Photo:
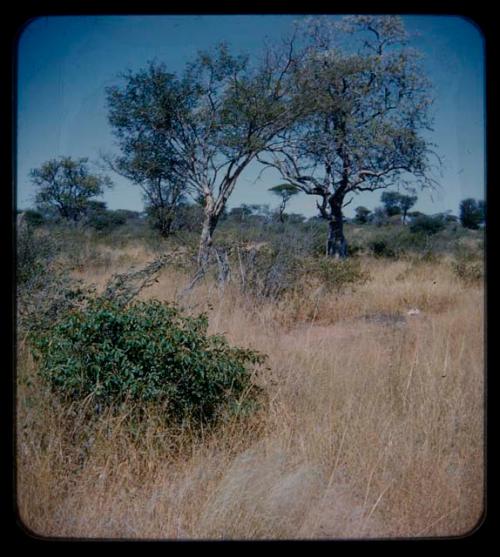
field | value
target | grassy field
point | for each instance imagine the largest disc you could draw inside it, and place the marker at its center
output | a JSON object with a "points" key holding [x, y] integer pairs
{"points": [[372, 425]]}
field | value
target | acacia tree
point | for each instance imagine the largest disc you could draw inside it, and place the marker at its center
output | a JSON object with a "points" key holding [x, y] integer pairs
{"points": [[396, 203], [406, 202], [211, 121], [67, 186], [285, 192], [368, 105], [390, 200], [362, 214]]}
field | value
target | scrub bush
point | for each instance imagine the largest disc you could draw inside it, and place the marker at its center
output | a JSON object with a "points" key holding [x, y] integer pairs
{"points": [[144, 352]]}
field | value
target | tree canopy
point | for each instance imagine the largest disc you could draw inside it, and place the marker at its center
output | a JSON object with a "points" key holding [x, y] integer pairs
{"points": [[206, 125], [396, 203], [367, 108], [285, 192], [67, 186], [472, 213]]}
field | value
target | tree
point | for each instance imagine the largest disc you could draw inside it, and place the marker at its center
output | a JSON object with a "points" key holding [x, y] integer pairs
{"points": [[67, 186], [285, 192], [390, 200], [138, 114], [379, 216], [211, 121], [397, 203], [362, 215], [406, 203], [472, 213], [240, 213], [368, 105]]}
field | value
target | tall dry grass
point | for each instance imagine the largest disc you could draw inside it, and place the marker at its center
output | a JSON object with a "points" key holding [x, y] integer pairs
{"points": [[373, 425]]}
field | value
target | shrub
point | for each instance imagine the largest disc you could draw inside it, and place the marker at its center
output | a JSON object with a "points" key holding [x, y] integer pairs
{"points": [[33, 218], [144, 352], [381, 248], [33, 250], [44, 289], [354, 248], [468, 270], [106, 220], [268, 272], [427, 225], [336, 275]]}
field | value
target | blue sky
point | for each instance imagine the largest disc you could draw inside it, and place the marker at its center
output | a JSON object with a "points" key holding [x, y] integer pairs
{"points": [[65, 63]]}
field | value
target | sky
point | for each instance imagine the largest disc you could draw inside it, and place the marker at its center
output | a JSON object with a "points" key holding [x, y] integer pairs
{"points": [[65, 63]]}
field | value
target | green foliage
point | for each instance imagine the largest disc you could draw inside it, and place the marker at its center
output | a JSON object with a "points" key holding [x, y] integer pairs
{"points": [[33, 218], [362, 214], [102, 219], [198, 129], [472, 213], [366, 105], [144, 352], [427, 225], [67, 186], [336, 275], [381, 248], [285, 192], [397, 203], [390, 199], [396, 241]]}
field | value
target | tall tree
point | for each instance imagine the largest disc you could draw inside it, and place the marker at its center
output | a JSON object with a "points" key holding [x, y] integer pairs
{"points": [[368, 104], [285, 192], [139, 117], [212, 121], [67, 186]]}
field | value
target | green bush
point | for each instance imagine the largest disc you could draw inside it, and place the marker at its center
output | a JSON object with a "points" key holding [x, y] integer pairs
{"points": [[144, 352], [336, 275], [427, 225], [106, 220], [381, 248], [33, 218]]}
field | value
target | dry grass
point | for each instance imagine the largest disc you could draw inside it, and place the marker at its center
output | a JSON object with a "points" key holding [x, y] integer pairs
{"points": [[373, 428]]}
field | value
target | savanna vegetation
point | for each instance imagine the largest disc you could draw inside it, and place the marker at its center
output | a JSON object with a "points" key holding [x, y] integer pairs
{"points": [[195, 372]]}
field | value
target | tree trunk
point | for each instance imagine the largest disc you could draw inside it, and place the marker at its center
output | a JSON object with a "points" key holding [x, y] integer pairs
{"points": [[165, 225], [282, 210], [337, 244], [206, 239]]}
